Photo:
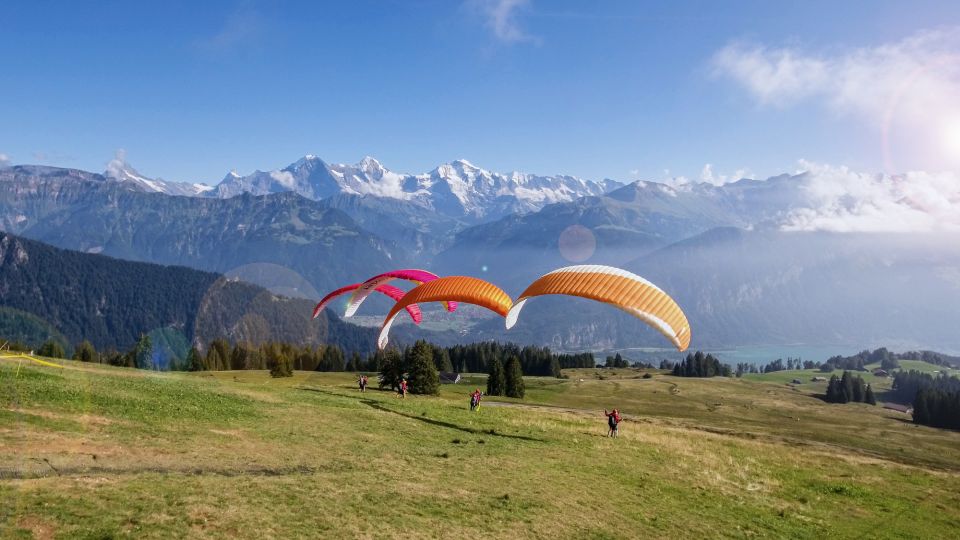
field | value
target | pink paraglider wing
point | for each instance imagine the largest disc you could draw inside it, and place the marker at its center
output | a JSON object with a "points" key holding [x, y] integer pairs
{"points": [[393, 292], [368, 286]]}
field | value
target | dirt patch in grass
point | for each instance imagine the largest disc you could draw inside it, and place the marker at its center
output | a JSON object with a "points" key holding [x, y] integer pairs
{"points": [[40, 528]]}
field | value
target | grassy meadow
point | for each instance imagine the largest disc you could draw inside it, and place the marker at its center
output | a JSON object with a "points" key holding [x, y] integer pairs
{"points": [[98, 452]]}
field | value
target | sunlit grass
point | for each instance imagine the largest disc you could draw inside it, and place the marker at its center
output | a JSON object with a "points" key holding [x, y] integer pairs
{"points": [[90, 451]]}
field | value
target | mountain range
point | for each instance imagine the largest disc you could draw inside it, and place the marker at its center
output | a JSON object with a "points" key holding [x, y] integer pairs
{"points": [[730, 254]]}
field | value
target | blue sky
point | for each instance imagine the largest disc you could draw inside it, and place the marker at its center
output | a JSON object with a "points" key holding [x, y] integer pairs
{"points": [[622, 90]]}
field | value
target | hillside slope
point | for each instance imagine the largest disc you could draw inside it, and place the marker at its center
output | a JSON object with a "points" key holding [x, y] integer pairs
{"points": [[112, 302]]}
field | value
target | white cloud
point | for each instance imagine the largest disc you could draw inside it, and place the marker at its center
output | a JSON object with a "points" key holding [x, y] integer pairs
{"points": [[907, 88], [919, 72], [709, 177], [284, 178], [501, 18], [116, 165], [4, 160], [842, 200]]}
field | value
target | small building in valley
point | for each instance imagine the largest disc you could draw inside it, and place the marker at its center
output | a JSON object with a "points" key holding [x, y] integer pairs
{"points": [[449, 377], [905, 409]]}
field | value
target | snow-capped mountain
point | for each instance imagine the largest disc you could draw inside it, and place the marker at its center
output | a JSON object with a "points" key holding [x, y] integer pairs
{"points": [[120, 171], [458, 190]]}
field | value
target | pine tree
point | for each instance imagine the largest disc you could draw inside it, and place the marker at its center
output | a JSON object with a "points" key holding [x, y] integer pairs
{"points": [[238, 357], [921, 414], [194, 361], [441, 358], [214, 360], [85, 352], [869, 397], [278, 362], [859, 390], [391, 368], [143, 353], [496, 383], [513, 379], [423, 376], [355, 362], [222, 346], [846, 387], [51, 349], [833, 390]]}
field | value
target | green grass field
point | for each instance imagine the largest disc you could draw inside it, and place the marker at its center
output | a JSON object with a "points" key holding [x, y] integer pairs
{"points": [[97, 452]]}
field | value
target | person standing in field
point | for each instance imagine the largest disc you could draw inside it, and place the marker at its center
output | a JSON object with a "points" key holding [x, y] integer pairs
{"points": [[613, 422], [475, 399], [363, 383], [403, 388]]}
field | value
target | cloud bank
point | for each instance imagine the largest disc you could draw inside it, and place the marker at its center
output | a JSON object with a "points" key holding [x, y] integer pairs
{"points": [[920, 75], [908, 90], [842, 200], [4, 160]]}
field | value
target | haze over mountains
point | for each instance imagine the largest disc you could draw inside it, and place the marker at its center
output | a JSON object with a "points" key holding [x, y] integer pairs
{"points": [[823, 256]]}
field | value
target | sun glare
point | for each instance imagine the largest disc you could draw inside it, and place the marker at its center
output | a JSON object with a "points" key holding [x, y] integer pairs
{"points": [[950, 139]]}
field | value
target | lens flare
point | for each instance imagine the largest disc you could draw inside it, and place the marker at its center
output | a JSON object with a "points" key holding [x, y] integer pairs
{"points": [[577, 243]]}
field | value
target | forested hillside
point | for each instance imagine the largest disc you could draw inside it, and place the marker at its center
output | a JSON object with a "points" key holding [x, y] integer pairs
{"points": [[46, 291]]}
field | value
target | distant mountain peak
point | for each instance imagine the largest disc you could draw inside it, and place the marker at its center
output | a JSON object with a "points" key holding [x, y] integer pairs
{"points": [[370, 165], [456, 190], [119, 170]]}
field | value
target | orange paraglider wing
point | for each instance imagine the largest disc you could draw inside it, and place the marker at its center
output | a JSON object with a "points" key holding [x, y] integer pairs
{"points": [[619, 288], [465, 289]]}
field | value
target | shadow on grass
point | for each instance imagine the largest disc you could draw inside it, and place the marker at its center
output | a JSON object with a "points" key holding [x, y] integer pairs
{"points": [[380, 407], [448, 425]]}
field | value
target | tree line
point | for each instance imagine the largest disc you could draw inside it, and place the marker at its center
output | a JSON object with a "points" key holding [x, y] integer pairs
{"points": [[506, 380], [906, 385], [937, 408], [849, 388], [222, 355], [700, 364]]}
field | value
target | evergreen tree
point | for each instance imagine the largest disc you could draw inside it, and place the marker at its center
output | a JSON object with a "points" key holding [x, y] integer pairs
{"points": [[859, 390], [513, 378], [278, 362], [921, 413], [194, 360], [51, 349], [846, 387], [238, 357], [441, 358], [496, 380], [143, 353], [391, 368], [222, 346], [355, 362], [85, 352], [869, 397], [423, 376], [834, 394], [215, 361], [555, 369]]}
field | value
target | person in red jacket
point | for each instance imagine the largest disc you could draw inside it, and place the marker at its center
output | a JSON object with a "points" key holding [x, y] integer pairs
{"points": [[403, 388], [613, 422], [475, 397]]}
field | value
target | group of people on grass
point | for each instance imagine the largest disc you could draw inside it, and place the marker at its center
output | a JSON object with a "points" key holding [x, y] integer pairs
{"points": [[613, 417]]}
